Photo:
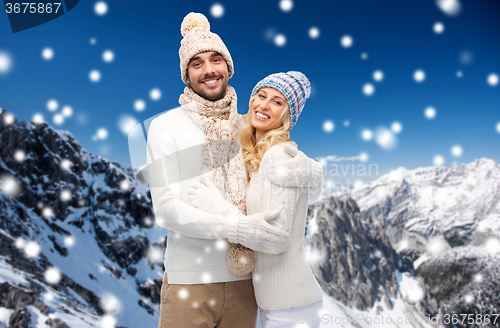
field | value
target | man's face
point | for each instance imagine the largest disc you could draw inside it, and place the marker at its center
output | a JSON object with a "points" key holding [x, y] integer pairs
{"points": [[208, 75]]}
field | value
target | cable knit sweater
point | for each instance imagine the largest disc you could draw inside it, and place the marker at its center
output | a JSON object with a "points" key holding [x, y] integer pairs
{"points": [[283, 279]]}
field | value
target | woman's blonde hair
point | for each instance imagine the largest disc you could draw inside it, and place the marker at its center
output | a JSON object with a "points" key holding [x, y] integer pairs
{"points": [[254, 151]]}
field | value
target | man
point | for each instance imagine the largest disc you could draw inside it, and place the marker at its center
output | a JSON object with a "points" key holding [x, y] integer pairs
{"points": [[199, 138]]}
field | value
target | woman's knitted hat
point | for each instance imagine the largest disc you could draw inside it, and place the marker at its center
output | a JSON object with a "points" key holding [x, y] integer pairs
{"points": [[293, 85], [195, 29]]}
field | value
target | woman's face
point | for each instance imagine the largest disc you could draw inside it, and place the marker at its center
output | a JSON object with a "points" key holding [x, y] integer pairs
{"points": [[266, 110]]}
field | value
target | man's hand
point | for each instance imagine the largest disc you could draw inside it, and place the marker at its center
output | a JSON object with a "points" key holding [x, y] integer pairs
{"points": [[206, 197]]}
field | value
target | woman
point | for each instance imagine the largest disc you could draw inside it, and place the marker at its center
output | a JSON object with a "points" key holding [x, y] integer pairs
{"points": [[285, 288]]}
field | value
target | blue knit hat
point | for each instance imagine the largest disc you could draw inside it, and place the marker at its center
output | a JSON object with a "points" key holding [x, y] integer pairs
{"points": [[293, 85]]}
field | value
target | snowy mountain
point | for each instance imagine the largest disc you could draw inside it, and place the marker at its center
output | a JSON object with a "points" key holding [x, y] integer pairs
{"points": [[459, 205], [446, 222], [78, 242], [79, 247], [361, 275]]}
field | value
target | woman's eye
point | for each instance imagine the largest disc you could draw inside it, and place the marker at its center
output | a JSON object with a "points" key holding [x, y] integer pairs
{"points": [[262, 96], [277, 102]]}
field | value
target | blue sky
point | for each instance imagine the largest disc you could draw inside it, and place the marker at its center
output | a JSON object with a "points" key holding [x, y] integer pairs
{"points": [[397, 37]]}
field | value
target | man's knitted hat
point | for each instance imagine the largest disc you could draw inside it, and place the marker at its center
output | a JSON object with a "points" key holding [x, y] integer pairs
{"points": [[195, 29], [293, 85]]}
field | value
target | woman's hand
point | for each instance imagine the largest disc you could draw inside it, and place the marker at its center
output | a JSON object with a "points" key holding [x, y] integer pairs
{"points": [[207, 197]]}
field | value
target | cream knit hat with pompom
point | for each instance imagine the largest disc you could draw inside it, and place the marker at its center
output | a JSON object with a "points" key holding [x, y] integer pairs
{"points": [[195, 29]]}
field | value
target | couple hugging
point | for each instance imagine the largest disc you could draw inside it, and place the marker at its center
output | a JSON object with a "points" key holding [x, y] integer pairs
{"points": [[233, 192]]}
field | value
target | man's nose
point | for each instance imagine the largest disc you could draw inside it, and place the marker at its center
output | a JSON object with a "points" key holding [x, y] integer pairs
{"points": [[209, 68]]}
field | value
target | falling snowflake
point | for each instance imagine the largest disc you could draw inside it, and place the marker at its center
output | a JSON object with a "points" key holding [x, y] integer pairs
{"points": [[108, 321], [10, 186], [47, 53], [286, 5], [438, 160], [101, 8], [456, 150], [52, 276], [347, 123], [368, 89], [358, 184], [139, 105], [8, 119], [48, 296], [207, 249], [313, 32], [47, 212], [125, 185], [221, 245], [95, 75], [155, 94], [69, 241], [206, 277], [478, 277], [438, 28], [108, 56], [81, 203], [58, 119], [449, 7], [498, 127], [466, 57], [66, 164], [155, 255], [102, 133], [415, 294], [385, 138], [20, 156], [346, 41], [419, 75], [67, 111], [183, 293], [217, 10], [313, 256], [363, 157], [364, 56], [199, 260], [492, 79], [396, 127], [110, 303], [469, 298], [430, 113], [52, 105], [212, 302], [126, 123], [5, 63], [20, 243], [328, 126], [65, 195], [37, 118], [280, 40], [366, 135], [32, 249], [492, 245], [121, 202], [378, 75], [147, 221], [459, 74], [195, 305], [436, 246], [93, 41], [40, 205]]}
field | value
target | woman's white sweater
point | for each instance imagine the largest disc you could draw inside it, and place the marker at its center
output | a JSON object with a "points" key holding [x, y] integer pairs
{"points": [[283, 279]]}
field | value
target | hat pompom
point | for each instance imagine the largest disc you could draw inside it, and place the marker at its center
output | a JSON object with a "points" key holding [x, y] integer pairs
{"points": [[192, 21]]}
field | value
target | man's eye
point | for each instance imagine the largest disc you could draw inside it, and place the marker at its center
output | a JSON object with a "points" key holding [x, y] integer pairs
{"points": [[216, 60]]}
